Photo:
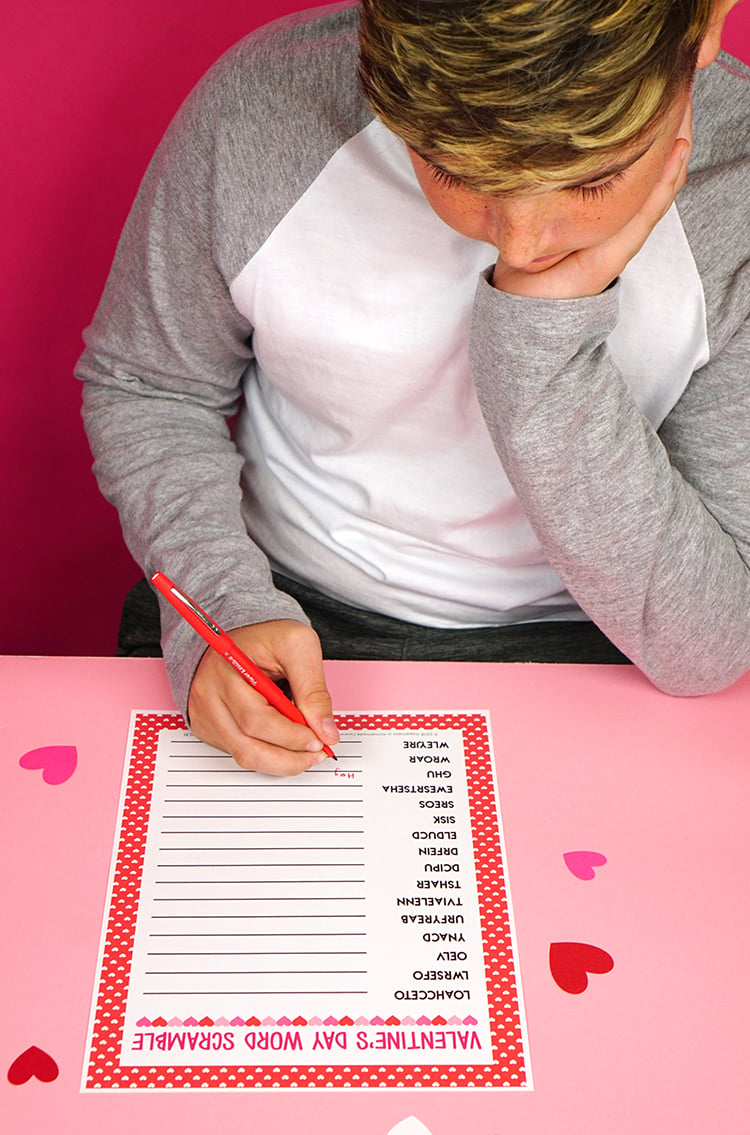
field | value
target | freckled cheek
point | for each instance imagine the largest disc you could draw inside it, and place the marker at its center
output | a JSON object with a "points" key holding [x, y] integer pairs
{"points": [[476, 223], [598, 222], [625, 205], [468, 220], [588, 226]]}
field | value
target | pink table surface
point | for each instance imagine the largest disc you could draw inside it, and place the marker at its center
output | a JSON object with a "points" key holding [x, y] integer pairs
{"points": [[588, 758]]}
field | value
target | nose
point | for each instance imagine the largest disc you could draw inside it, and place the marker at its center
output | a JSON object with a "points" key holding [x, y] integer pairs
{"points": [[520, 229]]}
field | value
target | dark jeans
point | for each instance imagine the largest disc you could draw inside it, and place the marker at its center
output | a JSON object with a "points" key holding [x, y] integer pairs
{"points": [[349, 632]]}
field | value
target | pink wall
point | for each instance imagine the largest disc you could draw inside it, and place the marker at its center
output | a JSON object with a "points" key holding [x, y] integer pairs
{"points": [[87, 90]]}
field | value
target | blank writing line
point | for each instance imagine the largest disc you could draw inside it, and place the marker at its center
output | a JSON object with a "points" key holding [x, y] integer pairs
{"points": [[258, 992], [254, 954], [274, 934], [211, 866], [223, 847], [269, 898], [259, 787], [270, 933], [233, 799], [246, 917], [252, 882], [244, 972]]}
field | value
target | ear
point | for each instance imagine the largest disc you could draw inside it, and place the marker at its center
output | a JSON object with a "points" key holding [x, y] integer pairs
{"points": [[711, 44]]}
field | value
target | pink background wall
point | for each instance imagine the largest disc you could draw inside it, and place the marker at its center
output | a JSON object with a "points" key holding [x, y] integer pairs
{"points": [[86, 90]]}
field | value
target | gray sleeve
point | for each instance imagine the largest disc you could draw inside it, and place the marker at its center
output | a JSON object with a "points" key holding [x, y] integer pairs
{"points": [[162, 369], [649, 532]]}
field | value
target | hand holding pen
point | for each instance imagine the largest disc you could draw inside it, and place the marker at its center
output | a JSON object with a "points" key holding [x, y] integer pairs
{"points": [[236, 707]]}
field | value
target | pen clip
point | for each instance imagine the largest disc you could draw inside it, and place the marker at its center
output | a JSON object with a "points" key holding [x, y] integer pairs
{"points": [[196, 610]]}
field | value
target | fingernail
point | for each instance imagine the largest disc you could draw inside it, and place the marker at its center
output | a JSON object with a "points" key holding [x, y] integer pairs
{"points": [[328, 728], [314, 746]]}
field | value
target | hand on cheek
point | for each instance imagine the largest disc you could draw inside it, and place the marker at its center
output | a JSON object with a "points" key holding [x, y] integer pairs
{"points": [[591, 269]]}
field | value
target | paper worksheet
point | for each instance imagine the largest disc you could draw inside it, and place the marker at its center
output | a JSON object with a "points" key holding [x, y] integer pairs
{"points": [[350, 927]]}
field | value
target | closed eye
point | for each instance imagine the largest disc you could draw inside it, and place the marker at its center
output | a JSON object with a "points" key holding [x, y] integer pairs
{"points": [[596, 190], [442, 177], [591, 191]]}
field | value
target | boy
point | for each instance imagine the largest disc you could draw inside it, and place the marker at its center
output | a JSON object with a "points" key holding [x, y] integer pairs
{"points": [[493, 378]]}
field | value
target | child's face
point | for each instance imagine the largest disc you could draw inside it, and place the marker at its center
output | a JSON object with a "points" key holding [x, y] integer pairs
{"points": [[532, 232]]}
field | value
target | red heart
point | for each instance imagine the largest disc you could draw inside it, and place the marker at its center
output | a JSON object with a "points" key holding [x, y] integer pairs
{"points": [[33, 1062], [571, 962]]}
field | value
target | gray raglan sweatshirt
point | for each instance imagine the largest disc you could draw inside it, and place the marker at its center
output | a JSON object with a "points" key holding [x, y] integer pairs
{"points": [[280, 254]]}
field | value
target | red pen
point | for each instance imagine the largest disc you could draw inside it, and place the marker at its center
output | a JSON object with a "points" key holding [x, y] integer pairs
{"points": [[220, 641]]}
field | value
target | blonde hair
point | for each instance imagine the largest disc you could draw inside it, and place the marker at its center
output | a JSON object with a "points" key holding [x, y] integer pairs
{"points": [[510, 94]]}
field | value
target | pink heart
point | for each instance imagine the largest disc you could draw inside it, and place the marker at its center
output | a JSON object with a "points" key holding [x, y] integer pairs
{"points": [[582, 863], [570, 964], [58, 762]]}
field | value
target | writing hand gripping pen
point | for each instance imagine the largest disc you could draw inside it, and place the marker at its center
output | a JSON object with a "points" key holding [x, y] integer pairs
{"points": [[221, 642]]}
